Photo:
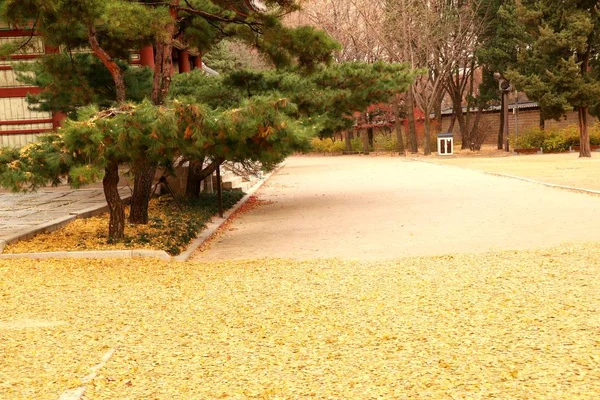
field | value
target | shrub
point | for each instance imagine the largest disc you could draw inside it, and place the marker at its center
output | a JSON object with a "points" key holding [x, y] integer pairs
{"points": [[529, 139], [327, 145], [386, 142], [356, 144], [550, 140]]}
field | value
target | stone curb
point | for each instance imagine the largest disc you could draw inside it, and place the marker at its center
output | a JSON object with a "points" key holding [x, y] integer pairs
{"points": [[210, 230], [97, 254], [50, 226], [520, 178], [55, 224], [214, 225]]}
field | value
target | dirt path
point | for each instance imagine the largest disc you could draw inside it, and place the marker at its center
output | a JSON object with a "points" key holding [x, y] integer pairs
{"points": [[376, 208]]}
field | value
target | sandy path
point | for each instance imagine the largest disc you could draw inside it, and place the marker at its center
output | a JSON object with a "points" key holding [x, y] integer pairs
{"points": [[374, 208]]}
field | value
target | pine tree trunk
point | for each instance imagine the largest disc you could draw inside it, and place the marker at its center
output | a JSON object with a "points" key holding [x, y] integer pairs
{"points": [[410, 114], [584, 137], [427, 136], [110, 182], [501, 125], [109, 63], [163, 64], [399, 138], [194, 179], [197, 174], [142, 188]]}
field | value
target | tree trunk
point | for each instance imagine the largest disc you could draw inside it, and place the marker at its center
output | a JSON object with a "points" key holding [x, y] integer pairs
{"points": [[452, 122], [365, 142], [583, 112], [477, 138], [196, 174], [501, 125], [164, 59], [584, 137], [437, 110], [348, 140], [460, 117], [427, 136], [142, 192], [399, 138], [542, 121], [110, 182], [193, 182], [505, 120], [371, 136], [410, 115], [109, 63]]}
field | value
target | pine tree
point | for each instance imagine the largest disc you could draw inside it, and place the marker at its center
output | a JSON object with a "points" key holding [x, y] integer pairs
{"points": [[556, 61], [110, 28]]}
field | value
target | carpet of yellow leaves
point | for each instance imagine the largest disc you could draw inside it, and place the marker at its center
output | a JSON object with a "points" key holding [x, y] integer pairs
{"points": [[509, 325], [89, 234]]}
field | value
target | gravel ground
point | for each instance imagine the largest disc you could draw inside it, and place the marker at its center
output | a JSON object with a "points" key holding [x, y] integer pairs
{"points": [[518, 325], [381, 208]]}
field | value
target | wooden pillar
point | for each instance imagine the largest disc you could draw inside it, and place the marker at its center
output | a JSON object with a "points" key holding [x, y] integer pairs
{"points": [[57, 119], [184, 61], [198, 61], [147, 56], [51, 49]]}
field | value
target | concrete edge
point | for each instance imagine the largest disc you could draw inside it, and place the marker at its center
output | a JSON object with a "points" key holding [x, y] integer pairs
{"points": [[50, 226], [552, 185], [94, 254], [213, 226], [520, 178], [55, 224]]}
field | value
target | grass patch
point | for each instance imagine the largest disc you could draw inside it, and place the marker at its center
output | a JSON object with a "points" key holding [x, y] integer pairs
{"points": [[169, 228]]}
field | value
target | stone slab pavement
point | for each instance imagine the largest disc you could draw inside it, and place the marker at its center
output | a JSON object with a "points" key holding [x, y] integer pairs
{"points": [[374, 208], [21, 214]]}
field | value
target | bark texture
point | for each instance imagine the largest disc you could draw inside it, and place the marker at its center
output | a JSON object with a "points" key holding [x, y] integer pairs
{"points": [[584, 136], [110, 182], [142, 192], [410, 115], [109, 63], [197, 174]]}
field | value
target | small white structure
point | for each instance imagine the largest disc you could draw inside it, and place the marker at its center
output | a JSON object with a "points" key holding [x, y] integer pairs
{"points": [[445, 144]]}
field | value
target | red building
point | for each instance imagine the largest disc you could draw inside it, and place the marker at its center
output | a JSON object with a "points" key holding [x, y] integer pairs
{"points": [[19, 124]]}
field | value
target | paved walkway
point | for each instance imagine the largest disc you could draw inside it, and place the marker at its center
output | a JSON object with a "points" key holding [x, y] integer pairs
{"points": [[382, 208], [22, 213]]}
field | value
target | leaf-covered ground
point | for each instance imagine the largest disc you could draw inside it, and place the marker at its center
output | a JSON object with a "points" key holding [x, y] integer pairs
{"points": [[170, 228], [510, 325]]}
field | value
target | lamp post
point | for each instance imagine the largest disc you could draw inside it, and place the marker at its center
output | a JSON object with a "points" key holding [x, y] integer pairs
{"points": [[505, 88]]}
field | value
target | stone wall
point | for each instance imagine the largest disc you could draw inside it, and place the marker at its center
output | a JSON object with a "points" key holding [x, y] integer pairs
{"points": [[528, 119]]}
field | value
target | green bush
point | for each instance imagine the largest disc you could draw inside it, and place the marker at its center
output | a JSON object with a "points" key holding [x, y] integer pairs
{"points": [[550, 140], [386, 142], [529, 139], [327, 146], [595, 135], [356, 144]]}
